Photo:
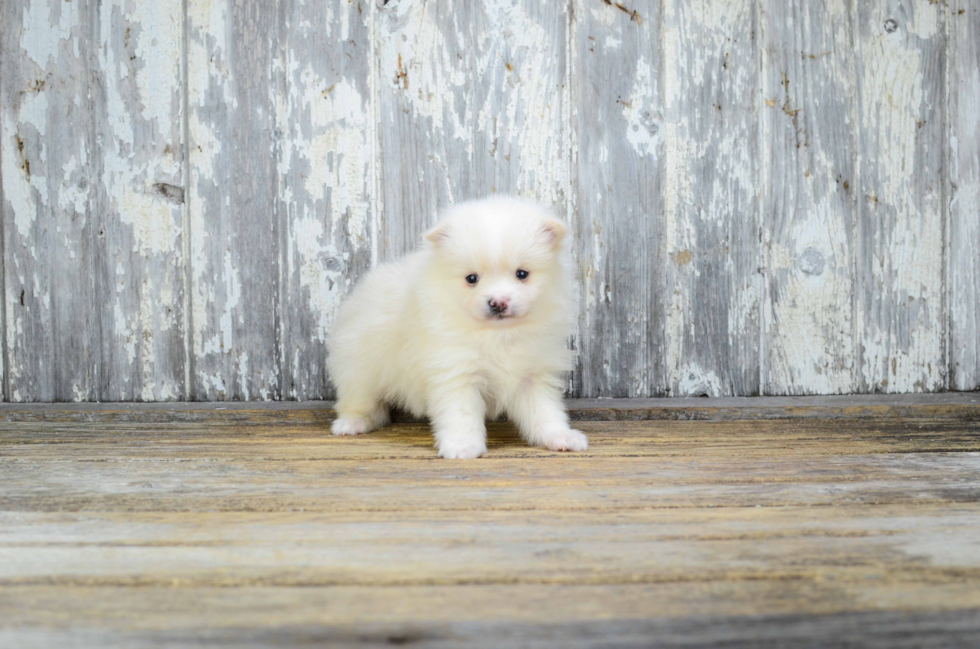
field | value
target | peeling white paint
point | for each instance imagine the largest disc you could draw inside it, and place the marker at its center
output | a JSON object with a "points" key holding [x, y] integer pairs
{"points": [[155, 226], [709, 193], [123, 331], [482, 97], [314, 278], [44, 33], [338, 153], [73, 195], [160, 29], [16, 185], [902, 335], [428, 67], [140, 59], [926, 18], [533, 101], [213, 384], [233, 294], [326, 163], [963, 265], [605, 16], [512, 118], [808, 109], [206, 48], [643, 127], [25, 190], [892, 84], [34, 112], [695, 382], [243, 374]]}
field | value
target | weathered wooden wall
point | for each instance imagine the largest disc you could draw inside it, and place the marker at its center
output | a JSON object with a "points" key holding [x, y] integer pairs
{"points": [[766, 197]]}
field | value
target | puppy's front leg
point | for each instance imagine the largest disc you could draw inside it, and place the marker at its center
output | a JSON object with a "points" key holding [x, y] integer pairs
{"points": [[538, 411], [458, 418]]}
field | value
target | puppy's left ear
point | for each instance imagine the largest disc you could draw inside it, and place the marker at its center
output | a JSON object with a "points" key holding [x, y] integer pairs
{"points": [[553, 231], [438, 234]]}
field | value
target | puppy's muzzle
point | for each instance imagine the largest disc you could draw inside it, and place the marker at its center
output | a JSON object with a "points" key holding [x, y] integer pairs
{"points": [[497, 306]]}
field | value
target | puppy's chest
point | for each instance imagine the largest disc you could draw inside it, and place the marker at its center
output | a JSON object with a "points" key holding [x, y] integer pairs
{"points": [[501, 364]]}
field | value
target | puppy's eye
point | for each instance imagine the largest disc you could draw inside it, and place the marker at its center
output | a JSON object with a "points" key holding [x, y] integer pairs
{"points": [[522, 274], [472, 279]]}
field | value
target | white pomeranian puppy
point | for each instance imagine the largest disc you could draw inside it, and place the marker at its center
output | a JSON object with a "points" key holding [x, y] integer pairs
{"points": [[473, 325]]}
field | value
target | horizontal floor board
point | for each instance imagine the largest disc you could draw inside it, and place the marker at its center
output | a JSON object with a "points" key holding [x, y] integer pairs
{"points": [[701, 526], [950, 404], [408, 440], [203, 550], [733, 614]]}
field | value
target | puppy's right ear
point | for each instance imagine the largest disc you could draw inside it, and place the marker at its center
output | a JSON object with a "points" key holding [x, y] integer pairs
{"points": [[438, 234], [553, 231]]}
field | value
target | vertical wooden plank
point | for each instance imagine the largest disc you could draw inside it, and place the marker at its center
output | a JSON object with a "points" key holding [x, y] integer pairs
{"points": [[4, 377], [324, 122], [809, 160], [964, 197], [899, 245], [711, 207], [618, 114], [141, 199], [234, 236], [92, 210], [52, 229], [471, 104]]}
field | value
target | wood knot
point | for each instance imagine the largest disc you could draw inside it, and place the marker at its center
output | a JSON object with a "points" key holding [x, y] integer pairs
{"points": [[172, 193]]}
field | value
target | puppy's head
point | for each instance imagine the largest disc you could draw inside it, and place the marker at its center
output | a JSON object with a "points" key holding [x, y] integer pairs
{"points": [[498, 261]]}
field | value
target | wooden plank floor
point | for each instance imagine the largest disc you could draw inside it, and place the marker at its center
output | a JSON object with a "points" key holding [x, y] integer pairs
{"points": [[757, 523]]}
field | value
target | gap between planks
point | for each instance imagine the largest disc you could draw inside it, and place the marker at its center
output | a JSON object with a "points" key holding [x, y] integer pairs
{"points": [[964, 405]]}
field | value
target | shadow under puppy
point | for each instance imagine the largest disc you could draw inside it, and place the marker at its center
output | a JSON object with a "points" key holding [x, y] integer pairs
{"points": [[473, 325]]}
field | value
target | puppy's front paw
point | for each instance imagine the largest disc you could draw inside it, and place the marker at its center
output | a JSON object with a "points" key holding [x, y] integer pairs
{"points": [[565, 439], [351, 426], [462, 449]]}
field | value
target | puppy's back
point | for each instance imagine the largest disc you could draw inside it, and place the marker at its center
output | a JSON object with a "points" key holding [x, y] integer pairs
{"points": [[371, 321]]}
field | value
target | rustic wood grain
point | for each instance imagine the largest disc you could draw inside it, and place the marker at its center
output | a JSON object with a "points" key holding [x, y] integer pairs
{"points": [[324, 157], [619, 163], [471, 100], [711, 209], [141, 197], [93, 203], [173, 619], [235, 239], [963, 264], [630, 466], [733, 533], [810, 135], [235, 550], [950, 406], [765, 197], [900, 52], [413, 441], [53, 227], [274, 485]]}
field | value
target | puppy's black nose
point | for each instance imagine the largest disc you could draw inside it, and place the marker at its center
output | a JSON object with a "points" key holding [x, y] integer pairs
{"points": [[497, 306]]}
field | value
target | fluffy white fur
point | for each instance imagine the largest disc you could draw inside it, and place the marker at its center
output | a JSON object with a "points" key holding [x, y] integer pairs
{"points": [[416, 334]]}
